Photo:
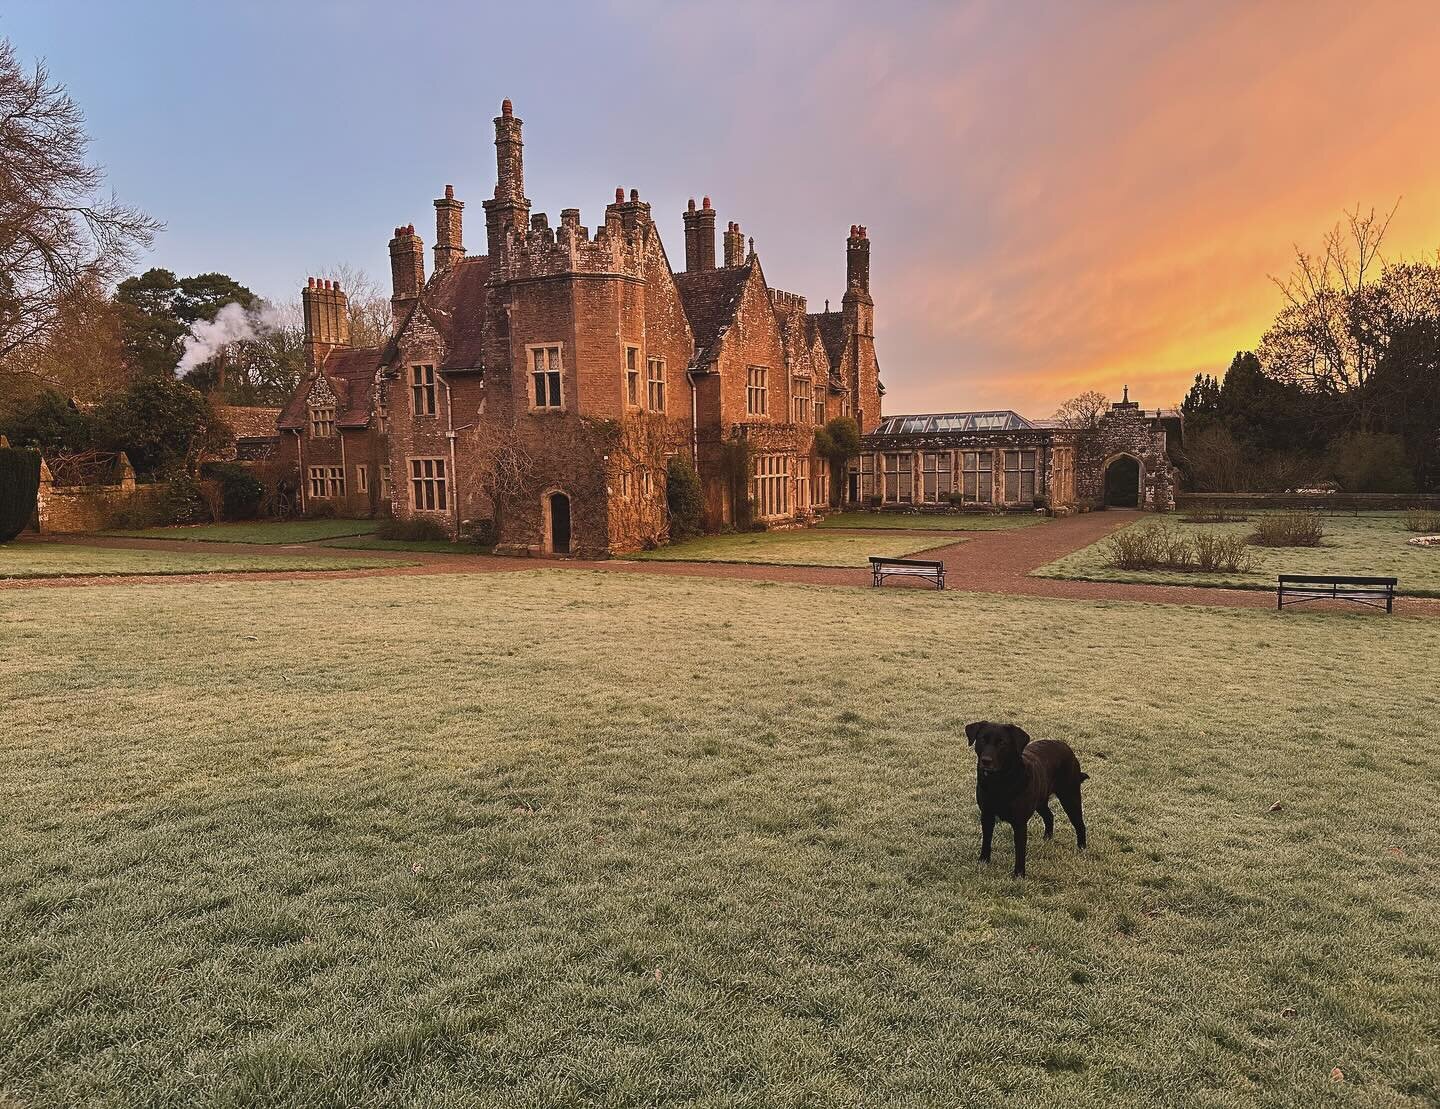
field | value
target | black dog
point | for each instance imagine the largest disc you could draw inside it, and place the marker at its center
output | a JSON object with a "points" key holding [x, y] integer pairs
{"points": [[1016, 777]]}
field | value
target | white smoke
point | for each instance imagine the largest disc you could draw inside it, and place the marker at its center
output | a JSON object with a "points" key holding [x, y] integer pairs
{"points": [[231, 324]]}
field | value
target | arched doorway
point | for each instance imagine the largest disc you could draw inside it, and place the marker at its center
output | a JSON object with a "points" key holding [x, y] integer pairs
{"points": [[1122, 482], [557, 523]]}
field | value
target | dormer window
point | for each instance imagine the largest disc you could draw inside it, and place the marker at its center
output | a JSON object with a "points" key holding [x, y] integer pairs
{"points": [[322, 421]]}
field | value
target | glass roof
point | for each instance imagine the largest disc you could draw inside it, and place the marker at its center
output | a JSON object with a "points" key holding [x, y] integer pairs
{"points": [[953, 421]]}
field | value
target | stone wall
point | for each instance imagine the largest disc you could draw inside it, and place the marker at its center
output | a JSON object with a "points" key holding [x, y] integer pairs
{"points": [[63, 509]]}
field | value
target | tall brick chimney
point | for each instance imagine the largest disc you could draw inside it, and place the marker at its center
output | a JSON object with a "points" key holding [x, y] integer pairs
{"points": [[449, 239], [510, 208], [700, 236], [407, 269], [857, 259], [734, 245], [327, 319]]}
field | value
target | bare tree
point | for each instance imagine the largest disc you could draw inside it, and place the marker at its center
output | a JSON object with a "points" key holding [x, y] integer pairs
{"points": [[501, 462], [1330, 335], [1083, 411], [56, 231]]}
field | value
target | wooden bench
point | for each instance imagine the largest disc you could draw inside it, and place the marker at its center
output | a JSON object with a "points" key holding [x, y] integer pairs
{"points": [[1314, 587], [908, 568]]}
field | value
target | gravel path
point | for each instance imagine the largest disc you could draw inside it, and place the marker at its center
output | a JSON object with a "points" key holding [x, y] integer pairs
{"points": [[986, 562]]}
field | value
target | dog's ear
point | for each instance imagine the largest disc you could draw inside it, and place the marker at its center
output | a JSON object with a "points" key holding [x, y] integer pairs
{"points": [[973, 730], [1018, 736]]}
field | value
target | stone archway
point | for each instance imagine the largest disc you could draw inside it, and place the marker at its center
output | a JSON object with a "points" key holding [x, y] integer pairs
{"points": [[1123, 481], [556, 517]]}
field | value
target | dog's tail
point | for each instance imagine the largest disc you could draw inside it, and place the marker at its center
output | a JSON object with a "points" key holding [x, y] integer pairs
{"points": [[1084, 776]]}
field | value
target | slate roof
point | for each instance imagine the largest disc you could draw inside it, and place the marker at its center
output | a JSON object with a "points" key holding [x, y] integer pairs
{"points": [[456, 303], [350, 372], [831, 328], [711, 299]]}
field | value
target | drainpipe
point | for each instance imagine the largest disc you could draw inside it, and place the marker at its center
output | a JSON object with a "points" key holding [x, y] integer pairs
{"points": [[694, 421], [450, 434], [344, 469], [300, 454]]}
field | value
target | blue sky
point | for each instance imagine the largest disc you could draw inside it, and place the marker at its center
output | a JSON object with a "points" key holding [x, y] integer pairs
{"points": [[1060, 195]]}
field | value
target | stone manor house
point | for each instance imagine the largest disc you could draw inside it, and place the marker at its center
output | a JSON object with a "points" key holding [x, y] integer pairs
{"points": [[544, 384]]}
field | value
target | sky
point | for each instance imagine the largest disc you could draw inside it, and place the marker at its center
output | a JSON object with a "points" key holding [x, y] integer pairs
{"points": [[1060, 196]]}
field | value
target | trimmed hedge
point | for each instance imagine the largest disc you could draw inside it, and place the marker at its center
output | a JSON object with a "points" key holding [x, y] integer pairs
{"points": [[241, 491], [19, 488]]}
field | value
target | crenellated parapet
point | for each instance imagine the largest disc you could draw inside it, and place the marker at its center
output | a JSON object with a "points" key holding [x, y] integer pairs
{"points": [[617, 247]]}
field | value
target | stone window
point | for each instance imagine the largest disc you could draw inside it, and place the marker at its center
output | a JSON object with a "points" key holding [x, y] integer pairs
{"points": [[335, 478], [820, 482], [867, 477], [936, 476], [755, 390], [632, 376], [427, 484], [772, 485], [362, 479], [385, 481], [802, 484], [655, 384], [1019, 476], [800, 387], [625, 483], [820, 411], [317, 481], [977, 479], [422, 390], [647, 482], [899, 479], [322, 421], [382, 414], [545, 377]]}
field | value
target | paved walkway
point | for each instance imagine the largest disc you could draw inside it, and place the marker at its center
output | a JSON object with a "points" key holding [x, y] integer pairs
{"points": [[985, 562]]}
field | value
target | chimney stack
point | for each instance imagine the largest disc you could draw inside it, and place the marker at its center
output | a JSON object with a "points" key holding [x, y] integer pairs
{"points": [[857, 259], [700, 236], [327, 319], [449, 238], [509, 210], [734, 245], [407, 269]]}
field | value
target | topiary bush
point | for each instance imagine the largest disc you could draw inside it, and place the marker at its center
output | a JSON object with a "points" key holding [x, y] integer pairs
{"points": [[420, 529], [19, 487]]}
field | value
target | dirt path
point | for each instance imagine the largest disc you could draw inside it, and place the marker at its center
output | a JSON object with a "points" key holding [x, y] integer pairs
{"points": [[985, 562]]}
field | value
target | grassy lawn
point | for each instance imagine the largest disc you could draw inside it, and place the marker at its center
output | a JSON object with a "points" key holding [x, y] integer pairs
{"points": [[257, 531], [56, 560], [802, 547], [1372, 544], [928, 521], [601, 842]]}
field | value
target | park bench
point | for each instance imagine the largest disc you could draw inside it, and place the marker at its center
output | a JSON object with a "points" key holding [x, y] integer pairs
{"points": [[908, 568], [1296, 588]]}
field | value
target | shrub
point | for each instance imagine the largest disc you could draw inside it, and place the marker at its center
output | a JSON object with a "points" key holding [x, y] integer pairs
{"points": [[317, 508], [419, 529], [1154, 547], [1222, 552], [1424, 520], [19, 486], [184, 502], [1214, 514], [683, 498], [241, 491], [1289, 529], [1166, 547]]}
